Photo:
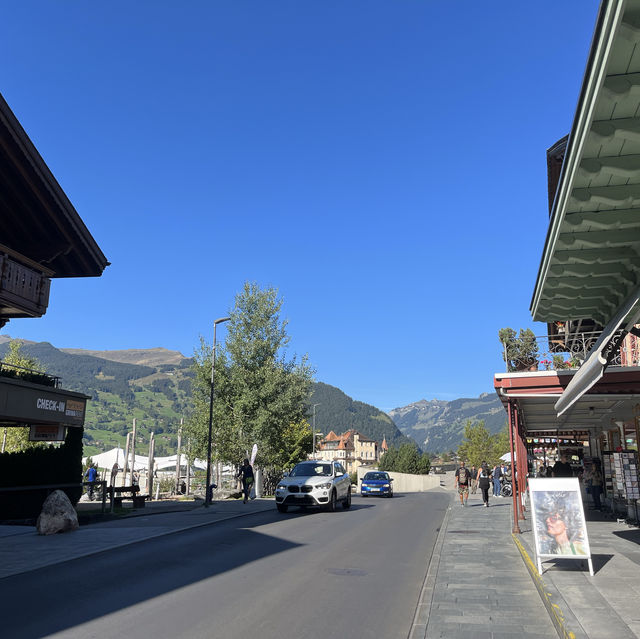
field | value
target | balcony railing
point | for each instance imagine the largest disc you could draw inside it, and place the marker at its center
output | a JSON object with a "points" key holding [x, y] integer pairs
{"points": [[24, 289], [557, 352], [28, 375]]}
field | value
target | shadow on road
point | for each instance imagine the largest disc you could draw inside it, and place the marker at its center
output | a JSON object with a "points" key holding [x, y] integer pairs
{"points": [[82, 590]]}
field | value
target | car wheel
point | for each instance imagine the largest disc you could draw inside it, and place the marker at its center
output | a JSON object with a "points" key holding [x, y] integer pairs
{"points": [[282, 508], [390, 494], [347, 502], [331, 506], [362, 495]]}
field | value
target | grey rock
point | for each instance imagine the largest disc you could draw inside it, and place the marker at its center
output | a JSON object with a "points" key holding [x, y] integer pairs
{"points": [[58, 515]]}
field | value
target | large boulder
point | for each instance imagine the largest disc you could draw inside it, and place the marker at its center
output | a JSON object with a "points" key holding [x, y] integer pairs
{"points": [[58, 515]]}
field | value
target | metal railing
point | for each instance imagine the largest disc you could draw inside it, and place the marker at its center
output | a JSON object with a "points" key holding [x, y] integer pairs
{"points": [[560, 352]]}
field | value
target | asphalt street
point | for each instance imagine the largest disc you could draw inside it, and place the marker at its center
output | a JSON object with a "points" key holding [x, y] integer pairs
{"points": [[355, 573]]}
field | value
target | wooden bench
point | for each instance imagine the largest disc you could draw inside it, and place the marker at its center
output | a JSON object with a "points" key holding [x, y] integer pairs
{"points": [[116, 500]]}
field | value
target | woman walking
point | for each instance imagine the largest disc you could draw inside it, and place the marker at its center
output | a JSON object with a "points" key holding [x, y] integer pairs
{"points": [[483, 483], [246, 473]]}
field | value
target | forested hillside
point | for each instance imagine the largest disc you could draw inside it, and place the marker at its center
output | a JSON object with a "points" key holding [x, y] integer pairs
{"points": [[338, 412]]}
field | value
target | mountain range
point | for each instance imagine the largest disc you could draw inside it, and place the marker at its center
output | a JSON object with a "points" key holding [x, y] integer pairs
{"points": [[438, 425], [153, 385]]}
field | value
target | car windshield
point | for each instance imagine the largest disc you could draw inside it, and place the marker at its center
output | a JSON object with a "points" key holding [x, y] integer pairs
{"points": [[373, 476], [311, 470]]}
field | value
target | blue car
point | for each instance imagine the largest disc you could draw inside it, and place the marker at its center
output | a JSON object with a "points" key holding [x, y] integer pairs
{"points": [[376, 483]]}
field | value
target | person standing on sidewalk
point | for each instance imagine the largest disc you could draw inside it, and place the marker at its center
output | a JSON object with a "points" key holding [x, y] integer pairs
{"points": [[483, 482], [90, 476], [462, 483], [246, 474], [495, 477], [596, 484], [562, 468]]}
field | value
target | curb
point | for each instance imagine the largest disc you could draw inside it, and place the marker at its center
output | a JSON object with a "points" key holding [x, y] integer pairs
{"points": [[548, 596], [423, 608]]}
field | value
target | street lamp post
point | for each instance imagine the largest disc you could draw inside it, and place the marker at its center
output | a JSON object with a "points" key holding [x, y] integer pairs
{"points": [[313, 430], [207, 496]]}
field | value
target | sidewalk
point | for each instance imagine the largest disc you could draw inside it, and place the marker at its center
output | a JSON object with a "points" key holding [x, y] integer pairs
{"points": [[599, 607], [22, 549], [483, 581], [477, 586]]}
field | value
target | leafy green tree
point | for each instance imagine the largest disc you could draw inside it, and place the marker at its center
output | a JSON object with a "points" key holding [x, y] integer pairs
{"points": [[17, 438], [520, 350], [406, 459], [261, 397], [501, 444], [480, 446]]}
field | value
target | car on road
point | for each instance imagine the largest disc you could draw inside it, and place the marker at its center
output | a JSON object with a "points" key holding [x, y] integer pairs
{"points": [[376, 483], [314, 484]]}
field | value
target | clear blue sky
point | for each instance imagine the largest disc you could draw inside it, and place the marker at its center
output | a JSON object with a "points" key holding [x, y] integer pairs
{"points": [[381, 163]]}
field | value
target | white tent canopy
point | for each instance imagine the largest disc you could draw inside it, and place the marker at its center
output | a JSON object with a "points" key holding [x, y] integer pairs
{"points": [[507, 457], [107, 459]]}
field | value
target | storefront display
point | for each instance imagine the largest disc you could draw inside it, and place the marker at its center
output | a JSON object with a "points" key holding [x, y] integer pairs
{"points": [[621, 475]]}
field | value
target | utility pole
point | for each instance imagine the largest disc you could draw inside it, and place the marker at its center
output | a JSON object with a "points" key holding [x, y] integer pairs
{"points": [[188, 466], [313, 430], [152, 454], [178, 458], [133, 450], [126, 460]]}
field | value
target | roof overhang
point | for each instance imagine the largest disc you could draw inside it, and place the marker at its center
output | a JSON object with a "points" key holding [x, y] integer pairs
{"points": [[591, 260], [612, 398], [39, 221]]}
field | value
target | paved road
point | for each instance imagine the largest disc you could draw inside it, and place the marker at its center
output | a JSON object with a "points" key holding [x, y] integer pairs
{"points": [[355, 573]]}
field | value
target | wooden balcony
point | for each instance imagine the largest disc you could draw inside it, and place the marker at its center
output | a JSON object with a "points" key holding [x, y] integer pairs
{"points": [[24, 286]]}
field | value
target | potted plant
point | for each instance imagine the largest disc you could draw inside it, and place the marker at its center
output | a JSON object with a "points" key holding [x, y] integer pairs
{"points": [[520, 351]]}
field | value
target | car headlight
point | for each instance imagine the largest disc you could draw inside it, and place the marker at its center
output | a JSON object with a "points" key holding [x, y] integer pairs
{"points": [[281, 487], [324, 486], [385, 485]]}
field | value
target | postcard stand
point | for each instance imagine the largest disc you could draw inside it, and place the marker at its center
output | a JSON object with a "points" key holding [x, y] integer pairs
{"points": [[559, 526]]}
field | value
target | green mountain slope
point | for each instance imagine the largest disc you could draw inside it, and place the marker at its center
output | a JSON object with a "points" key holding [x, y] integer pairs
{"points": [[157, 396], [153, 385], [438, 425], [338, 412]]}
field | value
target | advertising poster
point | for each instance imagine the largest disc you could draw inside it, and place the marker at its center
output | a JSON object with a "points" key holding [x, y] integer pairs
{"points": [[559, 526]]}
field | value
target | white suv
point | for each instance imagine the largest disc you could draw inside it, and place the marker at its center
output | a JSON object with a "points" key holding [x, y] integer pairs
{"points": [[316, 484]]}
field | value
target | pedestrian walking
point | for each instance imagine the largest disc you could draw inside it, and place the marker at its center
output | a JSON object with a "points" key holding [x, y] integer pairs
{"points": [[462, 477], [474, 481], [246, 474], [484, 477], [496, 475]]}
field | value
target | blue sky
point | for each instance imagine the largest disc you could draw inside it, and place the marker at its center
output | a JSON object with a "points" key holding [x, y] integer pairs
{"points": [[381, 163]]}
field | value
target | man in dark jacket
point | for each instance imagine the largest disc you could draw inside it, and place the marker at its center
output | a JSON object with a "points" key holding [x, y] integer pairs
{"points": [[562, 468]]}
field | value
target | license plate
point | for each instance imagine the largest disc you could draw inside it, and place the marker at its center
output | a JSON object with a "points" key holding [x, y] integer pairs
{"points": [[300, 496], [375, 490]]}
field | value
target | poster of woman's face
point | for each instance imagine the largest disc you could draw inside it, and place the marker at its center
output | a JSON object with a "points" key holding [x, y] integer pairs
{"points": [[558, 517]]}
